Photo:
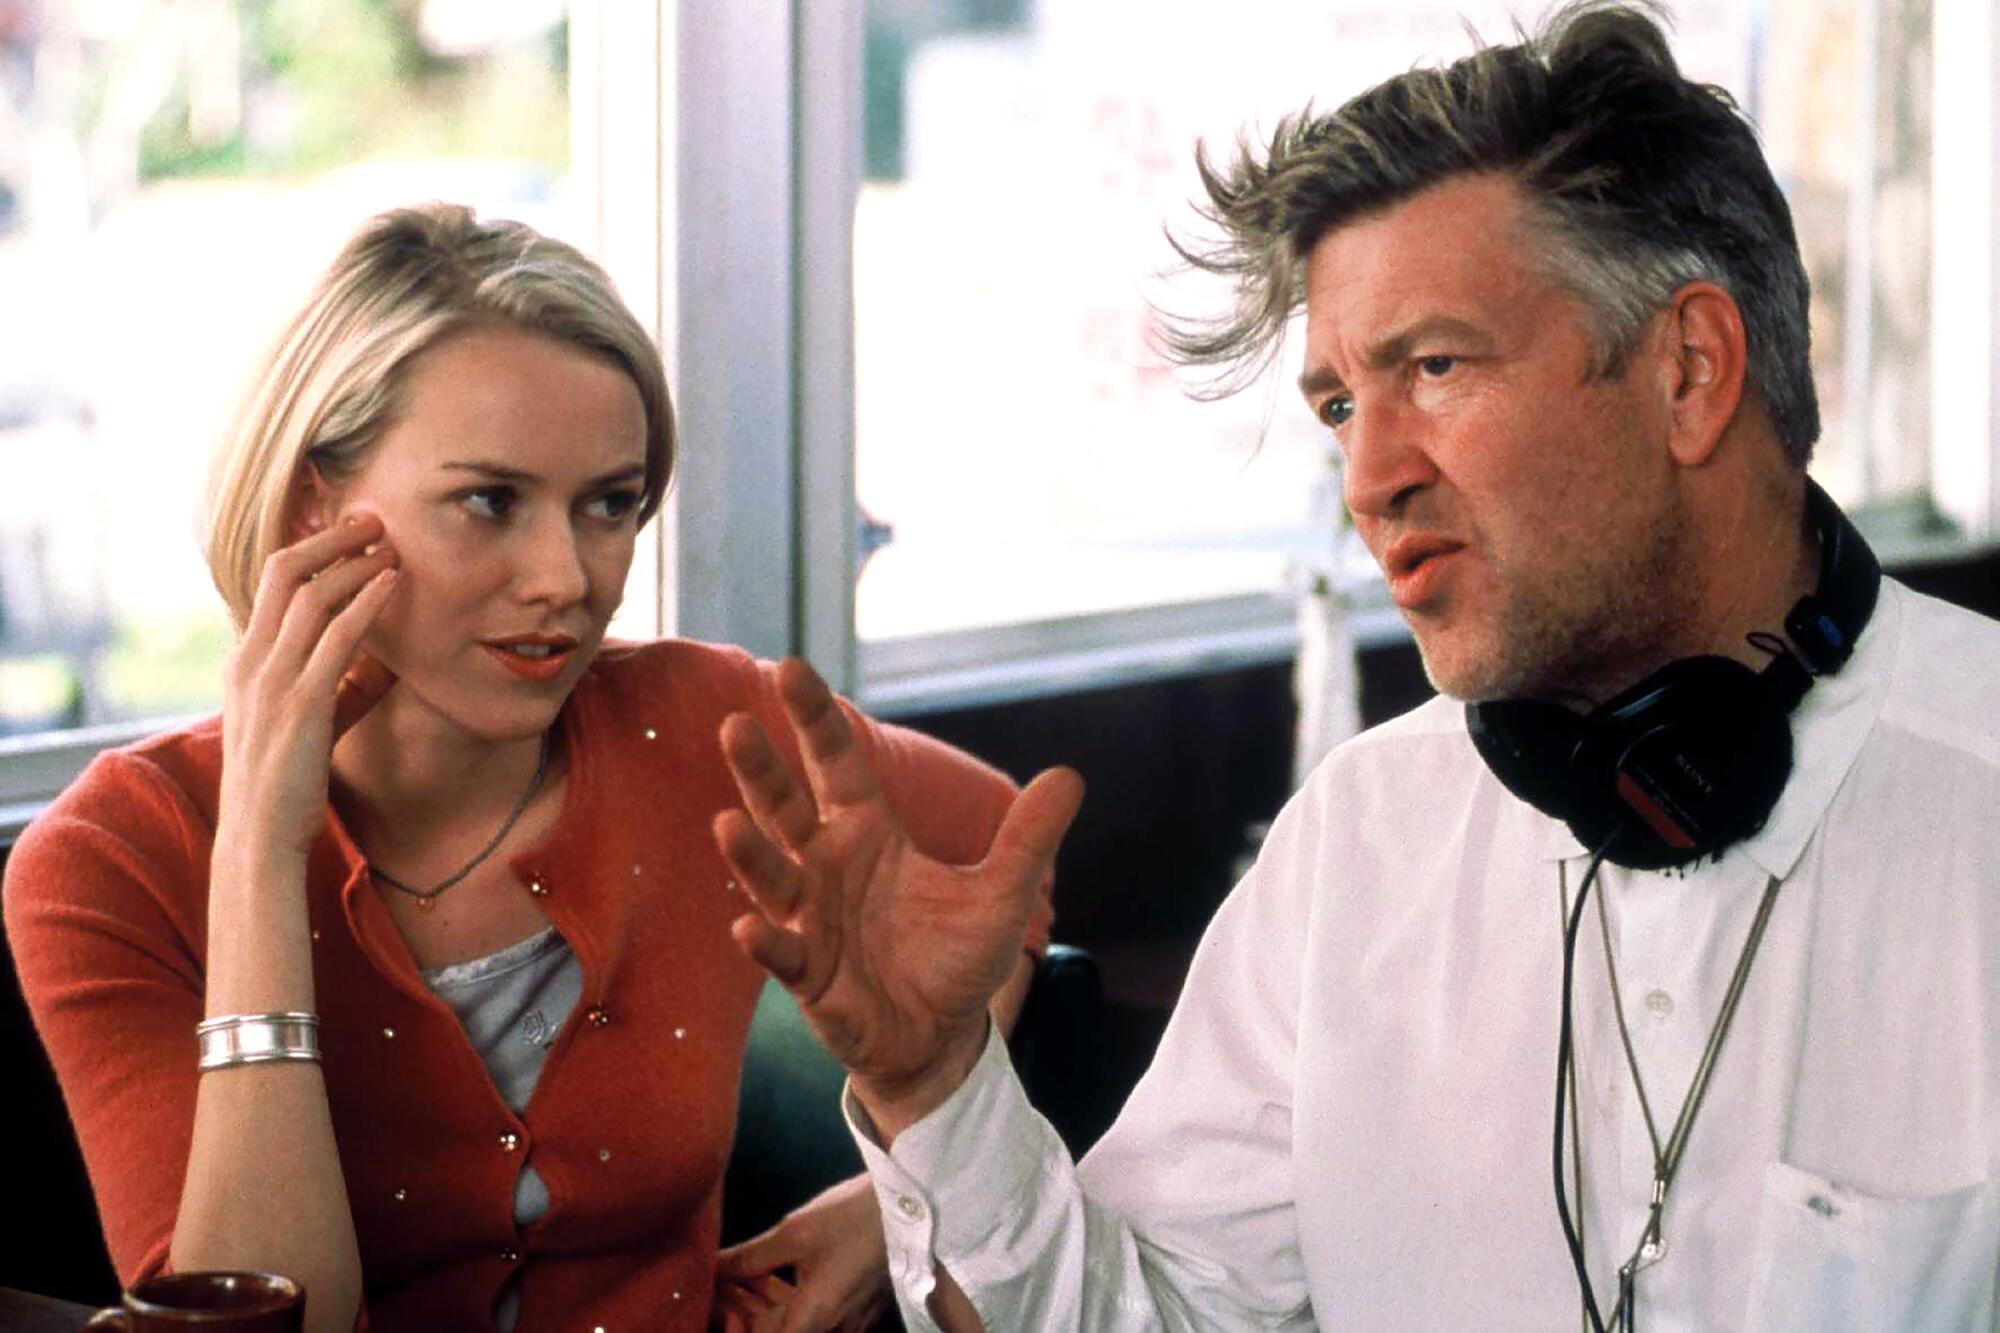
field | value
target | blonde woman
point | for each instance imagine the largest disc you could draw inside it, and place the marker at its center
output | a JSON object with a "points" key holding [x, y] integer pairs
{"points": [[438, 887]]}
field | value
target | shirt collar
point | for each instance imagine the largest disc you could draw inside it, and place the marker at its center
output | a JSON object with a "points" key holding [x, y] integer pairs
{"points": [[1828, 728]]}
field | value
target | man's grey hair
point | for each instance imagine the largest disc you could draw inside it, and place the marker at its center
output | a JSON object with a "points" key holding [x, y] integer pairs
{"points": [[1641, 180]]}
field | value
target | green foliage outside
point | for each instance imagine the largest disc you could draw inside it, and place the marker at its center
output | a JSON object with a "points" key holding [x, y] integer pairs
{"points": [[329, 82], [163, 668]]}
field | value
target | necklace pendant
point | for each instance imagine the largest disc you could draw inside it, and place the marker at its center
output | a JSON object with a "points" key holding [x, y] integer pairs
{"points": [[427, 904]]}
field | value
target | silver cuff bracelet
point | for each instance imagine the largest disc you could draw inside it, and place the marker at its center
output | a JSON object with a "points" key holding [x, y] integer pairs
{"points": [[254, 1039]]}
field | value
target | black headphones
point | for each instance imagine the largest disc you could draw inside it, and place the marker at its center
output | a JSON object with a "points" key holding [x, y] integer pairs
{"points": [[1693, 757]]}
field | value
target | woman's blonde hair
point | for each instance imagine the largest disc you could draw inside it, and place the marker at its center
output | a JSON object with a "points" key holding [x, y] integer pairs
{"points": [[407, 279]]}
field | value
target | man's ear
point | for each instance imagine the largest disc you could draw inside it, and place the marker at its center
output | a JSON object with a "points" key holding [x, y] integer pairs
{"points": [[313, 503], [1706, 359]]}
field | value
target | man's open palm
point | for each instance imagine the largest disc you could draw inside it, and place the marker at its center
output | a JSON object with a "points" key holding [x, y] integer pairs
{"points": [[892, 956]]}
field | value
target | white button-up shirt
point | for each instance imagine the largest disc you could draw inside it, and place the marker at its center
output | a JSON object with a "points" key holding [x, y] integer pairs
{"points": [[1349, 1122]]}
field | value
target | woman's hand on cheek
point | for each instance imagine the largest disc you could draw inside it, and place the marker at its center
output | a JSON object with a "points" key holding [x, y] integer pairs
{"points": [[366, 681], [282, 687]]}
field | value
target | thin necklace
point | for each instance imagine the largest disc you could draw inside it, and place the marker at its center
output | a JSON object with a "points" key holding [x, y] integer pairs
{"points": [[427, 898], [1667, 1156]]}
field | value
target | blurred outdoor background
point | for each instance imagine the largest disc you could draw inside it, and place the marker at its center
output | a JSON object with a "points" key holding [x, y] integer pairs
{"points": [[174, 172]]}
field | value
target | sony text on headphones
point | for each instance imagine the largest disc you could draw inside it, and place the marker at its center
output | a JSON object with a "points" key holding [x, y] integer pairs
{"points": [[1693, 757]]}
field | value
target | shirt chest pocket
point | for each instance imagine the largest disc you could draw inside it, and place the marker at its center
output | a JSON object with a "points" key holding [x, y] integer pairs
{"points": [[1830, 1257]]}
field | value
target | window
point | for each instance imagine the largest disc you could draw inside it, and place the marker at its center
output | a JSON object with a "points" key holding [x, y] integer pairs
{"points": [[921, 299], [178, 174], [1024, 459]]}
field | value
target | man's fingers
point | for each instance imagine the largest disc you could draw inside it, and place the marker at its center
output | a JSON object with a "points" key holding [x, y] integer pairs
{"points": [[835, 766], [773, 948], [762, 1301], [757, 1256], [772, 879], [781, 806], [806, 1313], [1035, 824]]}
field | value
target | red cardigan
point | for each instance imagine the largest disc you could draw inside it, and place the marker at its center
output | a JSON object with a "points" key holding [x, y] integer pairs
{"points": [[630, 1123]]}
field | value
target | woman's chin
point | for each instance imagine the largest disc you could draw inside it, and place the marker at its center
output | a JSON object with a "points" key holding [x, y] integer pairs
{"points": [[486, 715]]}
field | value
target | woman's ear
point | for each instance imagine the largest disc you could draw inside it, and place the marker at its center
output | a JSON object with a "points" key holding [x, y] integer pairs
{"points": [[313, 503]]}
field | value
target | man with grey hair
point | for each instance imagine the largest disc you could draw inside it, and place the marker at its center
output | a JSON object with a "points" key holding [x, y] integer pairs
{"points": [[1555, 318]]}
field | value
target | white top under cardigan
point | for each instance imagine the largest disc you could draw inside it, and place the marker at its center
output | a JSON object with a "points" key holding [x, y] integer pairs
{"points": [[512, 1004], [1348, 1123]]}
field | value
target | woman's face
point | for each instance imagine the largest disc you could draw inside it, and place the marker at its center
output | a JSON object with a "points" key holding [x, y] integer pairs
{"points": [[508, 483]]}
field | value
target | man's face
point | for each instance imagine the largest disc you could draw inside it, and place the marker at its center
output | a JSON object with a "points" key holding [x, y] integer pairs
{"points": [[1522, 510]]}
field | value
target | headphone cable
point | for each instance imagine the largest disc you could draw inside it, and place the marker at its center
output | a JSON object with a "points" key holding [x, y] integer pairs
{"points": [[1564, 1070]]}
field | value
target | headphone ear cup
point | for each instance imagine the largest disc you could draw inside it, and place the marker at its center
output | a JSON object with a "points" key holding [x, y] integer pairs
{"points": [[1693, 758], [1531, 747]]}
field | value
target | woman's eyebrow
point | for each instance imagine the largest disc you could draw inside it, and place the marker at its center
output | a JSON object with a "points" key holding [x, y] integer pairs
{"points": [[631, 472], [494, 470]]}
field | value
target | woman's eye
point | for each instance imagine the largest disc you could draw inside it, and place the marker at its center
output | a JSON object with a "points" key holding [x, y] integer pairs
{"points": [[489, 501], [1434, 366], [613, 506], [1336, 411]]}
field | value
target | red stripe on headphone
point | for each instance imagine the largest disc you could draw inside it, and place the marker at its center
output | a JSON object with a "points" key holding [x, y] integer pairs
{"points": [[1649, 810]]}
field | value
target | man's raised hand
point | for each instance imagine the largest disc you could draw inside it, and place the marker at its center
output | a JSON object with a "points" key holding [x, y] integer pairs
{"points": [[892, 956]]}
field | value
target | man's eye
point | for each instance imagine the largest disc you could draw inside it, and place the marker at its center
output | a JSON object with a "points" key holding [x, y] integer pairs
{"points": [[613, 506], [1336, 411], [489, 501], [1435, 366]]}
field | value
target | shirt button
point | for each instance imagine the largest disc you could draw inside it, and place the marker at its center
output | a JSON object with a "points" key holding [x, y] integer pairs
{"points": [[598, 1016], [1659, 1004], [910, 1207], [510, 1142]]}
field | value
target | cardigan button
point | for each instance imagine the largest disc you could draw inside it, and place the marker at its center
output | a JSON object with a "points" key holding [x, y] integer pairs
{"points": [[510, 1142], [511, 1256], [599, 1016], [400, 1195]]}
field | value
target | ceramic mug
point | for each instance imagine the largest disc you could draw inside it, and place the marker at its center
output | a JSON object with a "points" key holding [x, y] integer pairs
{"points": [[212, 1302]]}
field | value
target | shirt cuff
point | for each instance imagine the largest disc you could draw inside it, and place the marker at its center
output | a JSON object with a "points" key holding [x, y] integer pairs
{"points": [[955, 1175]]}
